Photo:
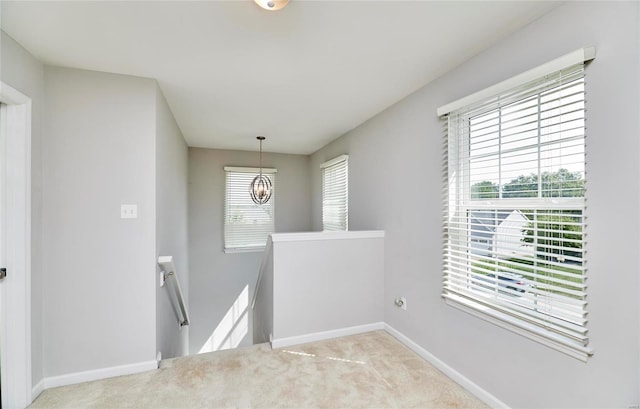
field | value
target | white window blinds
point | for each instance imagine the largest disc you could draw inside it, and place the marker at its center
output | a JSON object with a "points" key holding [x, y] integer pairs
{"points": [[246, 225], [514, 217], [335, 194]]}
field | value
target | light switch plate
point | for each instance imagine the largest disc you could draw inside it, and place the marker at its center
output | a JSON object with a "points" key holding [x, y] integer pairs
{"points": [[128, 211]]}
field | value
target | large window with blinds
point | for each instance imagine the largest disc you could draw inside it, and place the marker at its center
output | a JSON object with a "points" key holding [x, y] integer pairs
{"points": [[246, 225], [335, 194], [515, 210]]}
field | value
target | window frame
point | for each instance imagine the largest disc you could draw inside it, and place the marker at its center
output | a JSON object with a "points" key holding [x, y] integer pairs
{"points": [[458, 198], [240, 172], [337, 165]]}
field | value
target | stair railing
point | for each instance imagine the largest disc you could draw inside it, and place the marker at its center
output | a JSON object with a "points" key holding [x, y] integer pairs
{"points": [[265, 257], [169, 271]]}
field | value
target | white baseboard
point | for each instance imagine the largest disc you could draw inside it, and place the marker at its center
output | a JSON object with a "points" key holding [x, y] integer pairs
{"points": [[319, 336], [94, 375], [463, 381], [37, 390]]}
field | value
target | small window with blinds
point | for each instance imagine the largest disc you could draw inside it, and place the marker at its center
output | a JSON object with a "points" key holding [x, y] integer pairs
{"points": [[246, 225], [514, 218], [335, 194]]}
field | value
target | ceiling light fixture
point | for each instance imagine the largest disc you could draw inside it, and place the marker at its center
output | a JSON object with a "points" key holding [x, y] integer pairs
{"points": [[272, 5], [260, 189]]}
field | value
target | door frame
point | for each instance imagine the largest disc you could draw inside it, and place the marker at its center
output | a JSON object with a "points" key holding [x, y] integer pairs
{"points": [[15, 289]]}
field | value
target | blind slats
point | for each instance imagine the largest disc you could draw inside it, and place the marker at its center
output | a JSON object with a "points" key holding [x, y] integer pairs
{"points": [[335, 194], [246, 225], [514, 207]]}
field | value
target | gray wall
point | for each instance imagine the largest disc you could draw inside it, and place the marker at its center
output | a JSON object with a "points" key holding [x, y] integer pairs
{"points": [[399, 152], [22, 71], [99, 296], [216, 279], [313, 293], [171, 227]]}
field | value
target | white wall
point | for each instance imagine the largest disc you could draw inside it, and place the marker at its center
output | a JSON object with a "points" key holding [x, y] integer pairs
{"points": [[99, 295], [217, 279], [325, 282], [399, 151], [171, 227], [23, 72]]}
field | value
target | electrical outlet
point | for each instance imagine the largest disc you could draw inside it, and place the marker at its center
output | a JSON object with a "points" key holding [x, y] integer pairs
{"points": [[128, 211]]}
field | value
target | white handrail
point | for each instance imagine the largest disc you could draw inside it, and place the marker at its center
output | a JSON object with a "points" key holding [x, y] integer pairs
{"points": [[169, 270], [265, 256]]}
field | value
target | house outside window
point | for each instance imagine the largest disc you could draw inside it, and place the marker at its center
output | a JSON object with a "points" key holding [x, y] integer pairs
{"points": [[335, 194], [514, 245], [247, 225]]}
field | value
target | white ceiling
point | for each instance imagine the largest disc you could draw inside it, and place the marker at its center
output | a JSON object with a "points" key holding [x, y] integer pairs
{"points": [[301, 76]]}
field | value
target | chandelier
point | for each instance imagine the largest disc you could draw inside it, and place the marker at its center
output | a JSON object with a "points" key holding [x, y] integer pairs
{"points": [[260, 188]]}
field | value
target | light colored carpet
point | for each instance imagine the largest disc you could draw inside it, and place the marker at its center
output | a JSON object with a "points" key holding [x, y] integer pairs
{"points": [[371, 370]]}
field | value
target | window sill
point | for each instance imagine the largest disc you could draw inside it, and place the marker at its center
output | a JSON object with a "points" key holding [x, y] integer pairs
{"points": [[245, 250], [529, 331]]}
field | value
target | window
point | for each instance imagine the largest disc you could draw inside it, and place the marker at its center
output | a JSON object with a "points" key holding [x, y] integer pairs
{"points": [[514, 244], [335, 194], [246, 224]]}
